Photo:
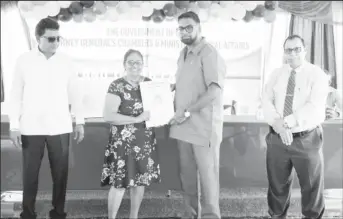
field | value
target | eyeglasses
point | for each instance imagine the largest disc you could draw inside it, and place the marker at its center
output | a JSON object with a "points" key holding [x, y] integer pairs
{"points": [[188, 29], [52, 39], [296, 50], [132, 63]]}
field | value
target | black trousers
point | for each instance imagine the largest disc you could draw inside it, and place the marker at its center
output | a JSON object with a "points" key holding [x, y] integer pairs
{"points": [[33, 151], [305, 155]]}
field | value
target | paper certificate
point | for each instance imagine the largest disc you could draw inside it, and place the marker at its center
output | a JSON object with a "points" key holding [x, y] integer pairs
{"points": [[158, 100]]}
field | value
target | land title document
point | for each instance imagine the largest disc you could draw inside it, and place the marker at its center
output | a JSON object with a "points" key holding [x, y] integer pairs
{"points": [[158, 99]]}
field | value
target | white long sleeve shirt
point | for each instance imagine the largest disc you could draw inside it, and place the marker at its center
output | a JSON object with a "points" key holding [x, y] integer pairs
{"points": [[309, 103], [42, 90]]}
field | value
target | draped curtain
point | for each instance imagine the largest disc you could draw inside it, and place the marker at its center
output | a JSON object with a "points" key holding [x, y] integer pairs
{"points": [[338, 34], [319, 40], [316, 22], [320, 11], [273, 44], [26, 30]]}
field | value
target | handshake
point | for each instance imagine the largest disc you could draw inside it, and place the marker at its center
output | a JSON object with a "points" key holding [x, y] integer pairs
{"points": [[281, 127]]}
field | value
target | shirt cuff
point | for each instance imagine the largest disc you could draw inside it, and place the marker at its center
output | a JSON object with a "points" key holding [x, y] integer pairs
{"points": [[79, 120], [291, 121], [14, 125]]}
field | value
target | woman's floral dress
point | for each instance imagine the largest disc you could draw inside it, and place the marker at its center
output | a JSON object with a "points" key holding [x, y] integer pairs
{"points": [[131, 156]]}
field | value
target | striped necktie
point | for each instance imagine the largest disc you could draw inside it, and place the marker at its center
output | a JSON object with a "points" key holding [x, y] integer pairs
{"points": [[288, 107]]}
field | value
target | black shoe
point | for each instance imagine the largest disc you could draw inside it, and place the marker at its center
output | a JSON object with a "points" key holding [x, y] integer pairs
{"points": [[54, 215], [26, 215]]}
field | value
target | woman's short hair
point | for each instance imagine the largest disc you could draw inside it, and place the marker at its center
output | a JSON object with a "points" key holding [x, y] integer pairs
{"points": [[131, 51]]}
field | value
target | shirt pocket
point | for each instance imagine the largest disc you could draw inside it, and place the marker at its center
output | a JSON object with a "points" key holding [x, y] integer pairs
{"points": [[302, 91]]}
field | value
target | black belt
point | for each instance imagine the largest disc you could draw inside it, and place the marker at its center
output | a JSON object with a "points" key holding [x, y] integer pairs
{"points": [[295, 135]]}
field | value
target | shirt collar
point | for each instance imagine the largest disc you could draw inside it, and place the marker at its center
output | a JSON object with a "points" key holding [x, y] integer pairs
{"points": [[40, 54], [298, 69], [197, 48]]}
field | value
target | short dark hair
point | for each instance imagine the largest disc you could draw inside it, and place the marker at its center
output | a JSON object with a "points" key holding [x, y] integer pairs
{"points": [[292, 37], [191, 15], [46, 24], [131, 51]]}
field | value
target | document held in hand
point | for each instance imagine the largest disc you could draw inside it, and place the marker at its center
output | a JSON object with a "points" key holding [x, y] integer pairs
{"points": [[157, 98]]}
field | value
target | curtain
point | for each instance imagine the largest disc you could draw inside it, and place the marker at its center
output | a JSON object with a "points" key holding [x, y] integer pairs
{"points": [[319, 40], [273, 45], [338, 36], [2, 84], [320, 11], [26, 30], [14, 42]]}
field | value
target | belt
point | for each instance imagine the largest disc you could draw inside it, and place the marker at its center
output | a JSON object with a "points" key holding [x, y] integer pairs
{"points": [[295, 135]]}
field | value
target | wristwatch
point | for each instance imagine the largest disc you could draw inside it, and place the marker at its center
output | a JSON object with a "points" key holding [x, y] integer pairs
{"points": [[338, 113], [187, 114]]}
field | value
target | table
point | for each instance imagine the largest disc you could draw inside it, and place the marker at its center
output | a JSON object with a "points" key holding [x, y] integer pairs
{"points": [[242, 157]]}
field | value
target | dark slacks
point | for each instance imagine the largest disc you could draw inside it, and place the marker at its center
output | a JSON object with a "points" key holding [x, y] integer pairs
{"points": [[33, 151], [305, 155]]}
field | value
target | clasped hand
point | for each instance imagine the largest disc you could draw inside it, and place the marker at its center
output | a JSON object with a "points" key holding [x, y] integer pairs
{"points": [[178, 118], [285, 133], [331, 113]]}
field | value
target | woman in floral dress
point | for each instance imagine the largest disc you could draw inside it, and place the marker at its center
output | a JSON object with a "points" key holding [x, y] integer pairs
{"points": [[131, 157]]}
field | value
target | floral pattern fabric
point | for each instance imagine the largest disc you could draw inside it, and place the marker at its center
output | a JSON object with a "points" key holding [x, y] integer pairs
{"points": [[131, 156]]}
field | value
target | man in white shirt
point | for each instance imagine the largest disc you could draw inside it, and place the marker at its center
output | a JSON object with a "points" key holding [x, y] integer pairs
{"points": [[44, 85], [294, 102]]}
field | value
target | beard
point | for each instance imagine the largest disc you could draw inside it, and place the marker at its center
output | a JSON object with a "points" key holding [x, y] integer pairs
{"points": [[188, 41]]}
